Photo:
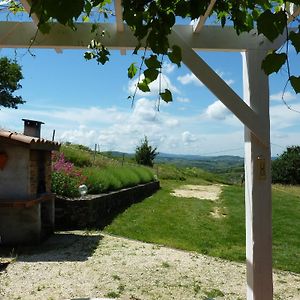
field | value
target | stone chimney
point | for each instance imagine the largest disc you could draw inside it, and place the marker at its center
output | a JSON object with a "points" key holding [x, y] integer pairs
{"points": [[32, 128]]}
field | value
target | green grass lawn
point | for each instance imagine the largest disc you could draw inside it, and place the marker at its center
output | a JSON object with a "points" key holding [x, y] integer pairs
{"points": [[187, 223]]}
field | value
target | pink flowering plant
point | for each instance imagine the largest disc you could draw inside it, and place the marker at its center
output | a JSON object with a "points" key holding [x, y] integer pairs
{"points": [[65, 177]]}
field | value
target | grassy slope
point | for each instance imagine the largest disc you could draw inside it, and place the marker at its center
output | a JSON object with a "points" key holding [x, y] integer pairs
{"points": [[186, 223], [102, 173], [286, 227]]}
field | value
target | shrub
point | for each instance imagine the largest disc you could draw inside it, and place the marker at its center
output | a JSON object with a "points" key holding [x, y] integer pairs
{"points": [[145, 154], [115, 178], [100, 180], [144, 174], [65, 185], [286, 168], [65, 178]]}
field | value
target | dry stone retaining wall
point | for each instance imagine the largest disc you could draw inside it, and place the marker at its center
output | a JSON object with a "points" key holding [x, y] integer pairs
{"points": [[96, 211]]}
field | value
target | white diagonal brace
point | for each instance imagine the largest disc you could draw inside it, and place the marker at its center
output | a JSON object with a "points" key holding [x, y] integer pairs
{"points": [[27, 6], [219, 88], [293, 12], [202, 19]]}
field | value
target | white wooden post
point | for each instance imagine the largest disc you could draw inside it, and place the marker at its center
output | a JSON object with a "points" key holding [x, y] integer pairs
{"points": [[258, 182]]}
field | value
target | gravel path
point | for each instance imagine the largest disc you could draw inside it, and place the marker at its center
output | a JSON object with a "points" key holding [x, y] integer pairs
{"points": [[81, 265], [207, 192]]}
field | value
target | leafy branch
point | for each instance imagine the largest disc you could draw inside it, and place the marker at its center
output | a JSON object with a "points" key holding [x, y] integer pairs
{"points": [[152, 20]]}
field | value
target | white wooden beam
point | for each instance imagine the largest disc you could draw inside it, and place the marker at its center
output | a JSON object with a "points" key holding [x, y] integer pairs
{"points": [[210, 38], [258, 200], [119, 16], [220, 89], [119, 20], [27, 6], [201, 21]]}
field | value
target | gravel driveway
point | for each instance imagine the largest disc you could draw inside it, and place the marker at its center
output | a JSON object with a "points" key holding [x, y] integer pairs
{"points": [[82, 264]]}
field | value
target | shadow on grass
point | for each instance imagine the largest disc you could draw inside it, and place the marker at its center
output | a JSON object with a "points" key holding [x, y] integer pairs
{"points": [[59, 247]]}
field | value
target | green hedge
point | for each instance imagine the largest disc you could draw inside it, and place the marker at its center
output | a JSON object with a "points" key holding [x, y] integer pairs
{"points": [[101, 180]]}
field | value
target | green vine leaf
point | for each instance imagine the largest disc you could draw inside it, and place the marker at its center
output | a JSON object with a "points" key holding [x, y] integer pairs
{"points": [[88, 55], [88, 7], [64, 11], [143, 86], [295, 39], [273, 62], [85, 19], [151, 74], [132, 71], [151, 22], [175, 55], [166, 96], [94, 28], [152, 62], [271, 24], [103, 55], [295, 82], [44, 28]]}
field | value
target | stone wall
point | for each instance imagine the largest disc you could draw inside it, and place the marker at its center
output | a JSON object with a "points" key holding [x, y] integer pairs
{"points": [[14, 178], [98, 210], [20, 225]]}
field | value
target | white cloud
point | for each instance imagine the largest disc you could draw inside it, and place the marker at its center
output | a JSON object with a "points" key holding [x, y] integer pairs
{"points": [[82, 134], [229, 81], [144, 110], [188, 137], [217, 111], [121, 131], [222, 75], [183, 100], [215, 131], [283, 118], [168, 68], [189, 78], [288, 96], [155, 86]]}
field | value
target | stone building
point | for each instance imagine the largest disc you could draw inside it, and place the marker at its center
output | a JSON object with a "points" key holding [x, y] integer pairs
{"points": [[26, 201]]}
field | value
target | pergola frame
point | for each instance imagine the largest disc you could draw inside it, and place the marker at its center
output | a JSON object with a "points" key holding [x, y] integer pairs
{"points": [[252, 111]]}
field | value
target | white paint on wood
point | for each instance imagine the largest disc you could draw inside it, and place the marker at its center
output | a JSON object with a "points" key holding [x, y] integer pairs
{"points": [[255, 116], [293, 11], [119, 17], [221, 90], [210, 38], [119, 21], [258, 200], [201, 21], [27, 6]]}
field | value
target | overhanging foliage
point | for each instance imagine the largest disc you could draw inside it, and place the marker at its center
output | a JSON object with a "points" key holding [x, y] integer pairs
{"points": [[152, 21]]}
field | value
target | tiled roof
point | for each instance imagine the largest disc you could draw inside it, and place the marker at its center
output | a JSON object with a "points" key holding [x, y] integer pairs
{"points": [[31, 142]]}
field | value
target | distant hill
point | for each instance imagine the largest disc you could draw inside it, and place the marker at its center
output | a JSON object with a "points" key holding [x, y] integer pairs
{"points": [[216, 164]]}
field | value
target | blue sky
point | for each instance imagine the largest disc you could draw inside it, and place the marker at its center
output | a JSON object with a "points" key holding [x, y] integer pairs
{"points": [[87, 103]]}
